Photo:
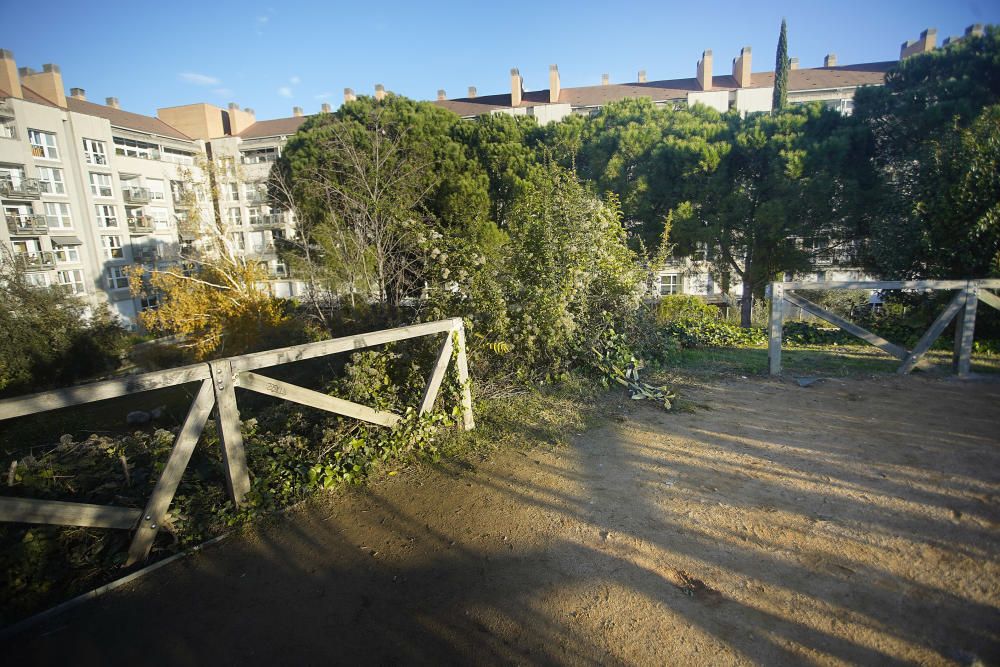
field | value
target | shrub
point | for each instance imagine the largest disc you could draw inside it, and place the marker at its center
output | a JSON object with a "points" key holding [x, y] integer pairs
{"points": [[677, 307]]}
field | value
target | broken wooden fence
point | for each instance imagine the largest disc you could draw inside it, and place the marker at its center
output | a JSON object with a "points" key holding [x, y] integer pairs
{"points": [[218, 382], [968, 293]]}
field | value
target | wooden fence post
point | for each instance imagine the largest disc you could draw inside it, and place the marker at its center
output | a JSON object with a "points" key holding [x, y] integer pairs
{"points": [[965, 327], [774, 332], [437, 375], [234, 456], [166, 486], [462, 362]]}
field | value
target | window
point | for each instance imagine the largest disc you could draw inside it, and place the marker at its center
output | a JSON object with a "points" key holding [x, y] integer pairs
{"points": [[100, 185], [72, 280], [107, 216], [254, 215], [234, 191], [235, 216], [112, 247], [178, 192], [7, 128], [117, 278], [52, 180], [57, 215], [36, 279], [149, 301], [670, 283], [238, 240], [94, 152], [176, 156], [66, 254], [161, 220], [259, 156], [134, 148], [155, 187], [43, 145]]}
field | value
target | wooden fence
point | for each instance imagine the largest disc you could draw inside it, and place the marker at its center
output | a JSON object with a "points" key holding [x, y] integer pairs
{"points": [[968, 293], [218, 382]]}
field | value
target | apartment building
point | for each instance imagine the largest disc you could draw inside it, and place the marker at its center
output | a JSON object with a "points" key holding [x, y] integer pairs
{"points": [[242, 150], [89, 190], [739, 89]]}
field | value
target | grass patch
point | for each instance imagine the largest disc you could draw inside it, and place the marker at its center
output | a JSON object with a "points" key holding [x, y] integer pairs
{"points": [[834, 361]]}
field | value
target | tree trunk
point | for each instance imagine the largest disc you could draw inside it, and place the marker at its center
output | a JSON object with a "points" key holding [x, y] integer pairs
{"points": [[746, 304]]}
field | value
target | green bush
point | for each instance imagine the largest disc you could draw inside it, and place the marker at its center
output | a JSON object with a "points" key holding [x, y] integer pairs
{"points": [[676, 307]]}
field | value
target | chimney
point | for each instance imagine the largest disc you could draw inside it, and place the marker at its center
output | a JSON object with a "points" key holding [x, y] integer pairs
{"points": [[297, 112], [516, 88], [325, 107], [9, 80], [442, 95], [349, 95], [642, 76], [47, 83], [239, 119], [972, 31], [704, 72], [379, 92], [830, 60], [472, 92], [927, 41], [793, 63], [741, 68], [78, 94], [554, 85], [112, 102], [605, 79]]}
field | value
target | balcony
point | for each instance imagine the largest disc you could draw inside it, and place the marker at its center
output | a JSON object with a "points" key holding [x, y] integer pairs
{"points": [[35, 261], [254, 198], [144, 255], [27, 225], [140, 224], [24, 188], [271, 221], [136, 195]]}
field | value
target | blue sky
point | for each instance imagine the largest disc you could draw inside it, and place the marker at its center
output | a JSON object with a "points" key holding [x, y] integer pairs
{"points": [[273, 55]]}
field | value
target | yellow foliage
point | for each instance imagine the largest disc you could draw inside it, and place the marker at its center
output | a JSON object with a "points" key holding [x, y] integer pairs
{"points": [[219, 307]]}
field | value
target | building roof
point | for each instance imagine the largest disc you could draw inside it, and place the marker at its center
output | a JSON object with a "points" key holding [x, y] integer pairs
{"points": [[277, 127], [32, 96], [675, 89], [125, 119]]}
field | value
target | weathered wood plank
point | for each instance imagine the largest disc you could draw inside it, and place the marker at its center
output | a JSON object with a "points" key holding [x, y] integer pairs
{"points": [[989, 298], [964, 331], [932, 334], [234, 456], [99, 391], [462, 365], [29, 510], [314, 399], [775, 329], [437, 375], [249, 362], [166, 485], [875, 284], [848, 326]]}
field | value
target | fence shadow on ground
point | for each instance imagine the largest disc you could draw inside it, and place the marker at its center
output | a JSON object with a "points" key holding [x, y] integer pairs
{"points": [[782, 526]]}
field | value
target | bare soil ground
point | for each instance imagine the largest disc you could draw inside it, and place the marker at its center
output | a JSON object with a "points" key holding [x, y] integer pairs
{"points": [[853, 521]]}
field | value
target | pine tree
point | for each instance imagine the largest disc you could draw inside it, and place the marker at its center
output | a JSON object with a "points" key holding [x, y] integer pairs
{"points": [[781, 67]]}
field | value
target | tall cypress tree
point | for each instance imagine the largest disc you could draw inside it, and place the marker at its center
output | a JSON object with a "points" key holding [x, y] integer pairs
{"points": [[781, 67]]}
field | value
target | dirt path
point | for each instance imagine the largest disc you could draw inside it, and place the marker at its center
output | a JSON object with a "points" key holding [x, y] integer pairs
{"points": [[847, 522]]}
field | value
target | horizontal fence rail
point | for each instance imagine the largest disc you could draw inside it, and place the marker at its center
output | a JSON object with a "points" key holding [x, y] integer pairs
{"points": [[968, 294], [219, 379]]}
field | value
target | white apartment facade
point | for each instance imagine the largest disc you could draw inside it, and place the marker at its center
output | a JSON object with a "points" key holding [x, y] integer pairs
{"points": [[89, 190]]}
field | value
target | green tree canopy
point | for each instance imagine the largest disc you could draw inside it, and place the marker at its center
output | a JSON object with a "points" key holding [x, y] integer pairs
{"points": [[933, 130]]}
